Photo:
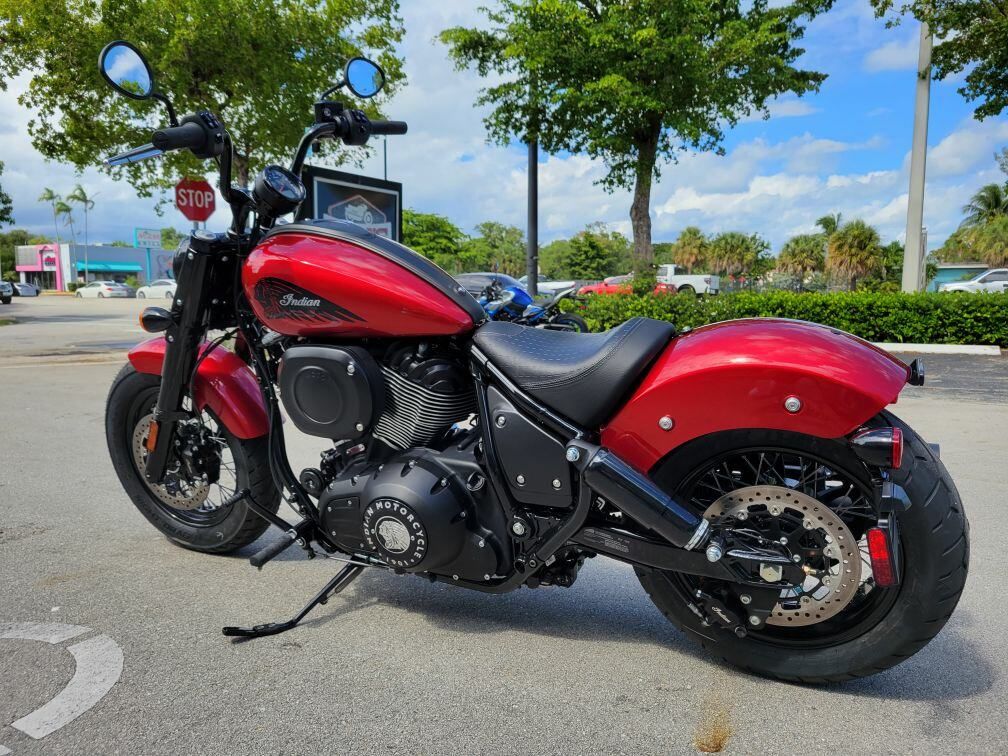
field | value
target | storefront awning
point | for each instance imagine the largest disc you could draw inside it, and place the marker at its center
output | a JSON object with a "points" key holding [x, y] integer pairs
{"points": [[108, 267]]}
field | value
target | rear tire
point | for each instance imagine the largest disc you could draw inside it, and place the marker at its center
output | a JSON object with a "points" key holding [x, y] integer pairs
{"points": [[934, 535], [131, 396], [573, 322]]}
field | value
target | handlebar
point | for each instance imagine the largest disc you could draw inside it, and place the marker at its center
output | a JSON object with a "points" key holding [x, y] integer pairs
{"points": [[188, 135], [388, 127]]}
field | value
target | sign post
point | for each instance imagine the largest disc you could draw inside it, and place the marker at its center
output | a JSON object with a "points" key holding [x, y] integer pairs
{"points": [[195, 199]]}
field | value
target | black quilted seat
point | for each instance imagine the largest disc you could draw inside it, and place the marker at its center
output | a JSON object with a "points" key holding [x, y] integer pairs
{"points": [[582, 376]]}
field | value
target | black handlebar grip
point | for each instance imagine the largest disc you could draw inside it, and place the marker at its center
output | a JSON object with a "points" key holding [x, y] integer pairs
{"points": [[260, 558], [388, 127], [188, 135]]}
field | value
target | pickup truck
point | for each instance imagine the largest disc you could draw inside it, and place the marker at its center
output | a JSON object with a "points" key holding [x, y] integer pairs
{"points": [[989, 280], [702, 283]]}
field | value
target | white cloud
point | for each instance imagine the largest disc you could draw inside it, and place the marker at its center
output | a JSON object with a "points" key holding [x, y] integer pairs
{"points": [[898, 55]]}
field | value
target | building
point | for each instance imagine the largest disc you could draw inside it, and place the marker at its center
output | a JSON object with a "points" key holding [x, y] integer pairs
{"points": [[49, 266], [959, 271]]}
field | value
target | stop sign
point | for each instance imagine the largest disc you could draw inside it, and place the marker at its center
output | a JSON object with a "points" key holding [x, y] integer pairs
{"points": [[195, 199]]}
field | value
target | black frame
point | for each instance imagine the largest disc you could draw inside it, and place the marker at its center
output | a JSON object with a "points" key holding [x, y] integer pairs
{"points": [[101, 68], [310, 173]]}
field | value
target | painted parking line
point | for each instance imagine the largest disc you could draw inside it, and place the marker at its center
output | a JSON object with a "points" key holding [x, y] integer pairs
{"points": [[99, 664]]}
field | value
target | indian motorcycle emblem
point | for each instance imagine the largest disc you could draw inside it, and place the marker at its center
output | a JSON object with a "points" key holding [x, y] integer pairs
{"points": [[285, 301]]}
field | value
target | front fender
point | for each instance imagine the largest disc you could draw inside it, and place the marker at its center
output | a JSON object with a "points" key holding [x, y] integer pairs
{"points": [[738, 374], [224, 384]]}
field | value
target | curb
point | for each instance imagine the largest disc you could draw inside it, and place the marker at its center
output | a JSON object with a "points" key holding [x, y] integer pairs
{"points": [[974, 349]]}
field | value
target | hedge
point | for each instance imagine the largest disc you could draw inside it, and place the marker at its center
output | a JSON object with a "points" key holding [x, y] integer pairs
{"points": [[925, 318]]}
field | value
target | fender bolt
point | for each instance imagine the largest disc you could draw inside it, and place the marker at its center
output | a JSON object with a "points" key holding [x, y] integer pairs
{"points": [[573, 455], [666, 423]]}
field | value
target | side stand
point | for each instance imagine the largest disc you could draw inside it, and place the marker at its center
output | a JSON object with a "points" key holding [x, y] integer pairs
{"points": [[342, 579]]}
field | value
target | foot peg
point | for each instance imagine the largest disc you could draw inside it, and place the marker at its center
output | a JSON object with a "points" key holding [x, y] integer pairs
{"points": [[342, 579]]}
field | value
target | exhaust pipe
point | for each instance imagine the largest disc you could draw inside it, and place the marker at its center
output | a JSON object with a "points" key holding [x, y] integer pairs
{"points": [[636, 495]]}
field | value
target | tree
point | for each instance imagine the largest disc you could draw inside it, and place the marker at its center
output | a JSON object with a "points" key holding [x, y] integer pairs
{"points": [[6, 208], [854, 252], [690, 248], [830, 223], [497, 244], [970, 37], [736, 254], [554, 259], [8, 241], [171, 237], [81, 197], [258, 64], [990, 202], [64, 211], [632, 83], [987, 243], [49, 196], [436, 238], [801, 255], [596, 253]]}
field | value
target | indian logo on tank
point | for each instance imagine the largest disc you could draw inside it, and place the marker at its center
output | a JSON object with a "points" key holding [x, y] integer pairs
{"points": [[285, 300]]}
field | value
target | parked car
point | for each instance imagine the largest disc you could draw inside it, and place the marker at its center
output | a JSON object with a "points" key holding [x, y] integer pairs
{"points": [[25, 289], [103, 290], [989, 281], [685, 283], [6, 292], [130, 290], [621, 285], [475, 283], [546, 286], [163, 288]]}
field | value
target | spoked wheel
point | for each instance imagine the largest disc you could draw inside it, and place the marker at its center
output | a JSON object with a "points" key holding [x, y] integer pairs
{"points": [[814, 497], [206, 467]]}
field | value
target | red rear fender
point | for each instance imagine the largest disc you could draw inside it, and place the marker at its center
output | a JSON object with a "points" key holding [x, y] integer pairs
{"points": [[224, 384], [740, 373]]}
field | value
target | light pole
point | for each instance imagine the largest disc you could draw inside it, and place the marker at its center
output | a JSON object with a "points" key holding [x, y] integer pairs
{"points": [[532, 250], [913, 252]]}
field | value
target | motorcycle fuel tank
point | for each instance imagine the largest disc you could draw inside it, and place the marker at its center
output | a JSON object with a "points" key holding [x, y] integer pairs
{"points": [[334, 279]]}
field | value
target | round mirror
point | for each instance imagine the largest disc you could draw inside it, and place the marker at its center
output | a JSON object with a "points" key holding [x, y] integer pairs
{"points": [[125, 68], [364, 77]]}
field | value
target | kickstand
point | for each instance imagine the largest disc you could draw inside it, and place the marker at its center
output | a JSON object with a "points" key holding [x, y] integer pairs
{"points": [[342, 579]]}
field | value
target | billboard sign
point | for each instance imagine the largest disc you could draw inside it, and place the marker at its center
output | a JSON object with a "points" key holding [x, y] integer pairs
{"points": [[147, 238], [369, 202]]}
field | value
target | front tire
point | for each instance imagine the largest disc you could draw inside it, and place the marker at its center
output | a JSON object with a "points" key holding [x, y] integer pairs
{"points": [[887, 628], [212, 530]]}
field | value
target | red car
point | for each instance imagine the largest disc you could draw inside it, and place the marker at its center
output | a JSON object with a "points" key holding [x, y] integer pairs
{"points": [[621, 285]]}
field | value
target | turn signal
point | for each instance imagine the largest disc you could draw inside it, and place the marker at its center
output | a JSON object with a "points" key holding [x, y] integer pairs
{"points": [[881, 557], [879, 447], [155, 319]]}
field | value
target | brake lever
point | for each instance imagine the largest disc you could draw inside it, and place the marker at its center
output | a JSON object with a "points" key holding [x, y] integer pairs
{"points": [[135, 155]]}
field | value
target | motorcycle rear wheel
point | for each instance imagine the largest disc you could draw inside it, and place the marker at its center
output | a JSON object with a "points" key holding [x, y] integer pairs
{"points": [[880, 627], [212, 527], [572, 322]]}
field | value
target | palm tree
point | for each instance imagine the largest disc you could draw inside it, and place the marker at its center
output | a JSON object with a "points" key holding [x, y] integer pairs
{"points": [[854, 251], [64, 210], [830, 223], [79, 196], [802, 255], [48, 195], [690, 248], [986, 205]]}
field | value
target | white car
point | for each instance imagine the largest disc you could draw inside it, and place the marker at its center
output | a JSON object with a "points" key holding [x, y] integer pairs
{"points": [[703, 283], [102, 290], [990, 280], [547, 286], [163, 288]]}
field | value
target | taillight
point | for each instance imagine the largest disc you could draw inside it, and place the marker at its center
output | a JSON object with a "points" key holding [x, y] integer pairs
{"points": [[897, 448], [879, 447], [881, 557]]}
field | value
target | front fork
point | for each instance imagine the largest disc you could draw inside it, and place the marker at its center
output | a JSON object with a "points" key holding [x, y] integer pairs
{"points": [[186, 329]]}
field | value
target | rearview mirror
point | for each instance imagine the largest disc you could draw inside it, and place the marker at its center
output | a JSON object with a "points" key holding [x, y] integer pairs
{"points": [[126, 70], [364, 77]]}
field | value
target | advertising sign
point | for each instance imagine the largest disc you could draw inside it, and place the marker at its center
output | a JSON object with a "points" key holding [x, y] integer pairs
{"points": [[195, 199], [369, 202], [147, 238]]}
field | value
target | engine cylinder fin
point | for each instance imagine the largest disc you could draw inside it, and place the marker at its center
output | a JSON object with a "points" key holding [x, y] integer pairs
{"points": [[414, 415]]}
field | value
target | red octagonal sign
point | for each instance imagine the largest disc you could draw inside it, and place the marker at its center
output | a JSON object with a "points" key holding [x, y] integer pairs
{"points": [[195, 199]]}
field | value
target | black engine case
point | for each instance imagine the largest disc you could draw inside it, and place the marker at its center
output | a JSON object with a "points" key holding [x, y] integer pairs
{"points": [[417, 514]]}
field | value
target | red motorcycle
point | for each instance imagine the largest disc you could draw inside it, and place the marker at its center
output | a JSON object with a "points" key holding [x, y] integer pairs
{"points": [[749, 471]]}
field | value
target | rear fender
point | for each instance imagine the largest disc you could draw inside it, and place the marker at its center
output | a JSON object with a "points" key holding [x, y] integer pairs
{"points": [[224, 385], [740, 373]]}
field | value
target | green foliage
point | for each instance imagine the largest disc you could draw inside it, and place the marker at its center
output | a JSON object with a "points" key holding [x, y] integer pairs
{"points": [[830, 223], [72, 286], [986, 243], [632, 83], [436, 238], [171, 238], [6, 208], [737, 255], [258, 64], [596, 253], [970, 37], [496, 244], [990, 202], [894, 317], [554, 259], [802, 255], [8, 241], [855, 251], [133, 281], [690, 249], [120, 243]]}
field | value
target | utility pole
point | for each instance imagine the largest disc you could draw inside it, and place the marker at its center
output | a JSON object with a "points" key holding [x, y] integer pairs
{"points": [[532, 250], [914, 252]]}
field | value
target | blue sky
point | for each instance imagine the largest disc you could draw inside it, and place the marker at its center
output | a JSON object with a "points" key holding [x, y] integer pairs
{"points": [[844, 149]]}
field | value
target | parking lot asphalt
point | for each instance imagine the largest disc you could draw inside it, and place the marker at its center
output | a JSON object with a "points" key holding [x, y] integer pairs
{"points": [[395, 664]]}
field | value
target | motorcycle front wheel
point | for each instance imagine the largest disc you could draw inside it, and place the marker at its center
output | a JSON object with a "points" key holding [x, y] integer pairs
{"points": [[190, 511], [826, 637]]}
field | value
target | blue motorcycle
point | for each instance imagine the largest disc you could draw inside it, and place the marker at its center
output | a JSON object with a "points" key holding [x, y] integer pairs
{"points": [[514, 304]]}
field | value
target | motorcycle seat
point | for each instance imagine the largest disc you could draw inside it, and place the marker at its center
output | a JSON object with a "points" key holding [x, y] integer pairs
{"points": [[582, 376]]}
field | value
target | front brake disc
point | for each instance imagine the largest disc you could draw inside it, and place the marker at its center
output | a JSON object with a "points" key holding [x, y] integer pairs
{"points": [[829, 552]]}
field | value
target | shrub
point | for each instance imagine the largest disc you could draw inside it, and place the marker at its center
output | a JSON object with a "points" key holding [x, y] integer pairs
{"points": [[73, 286], [927, 318]]}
